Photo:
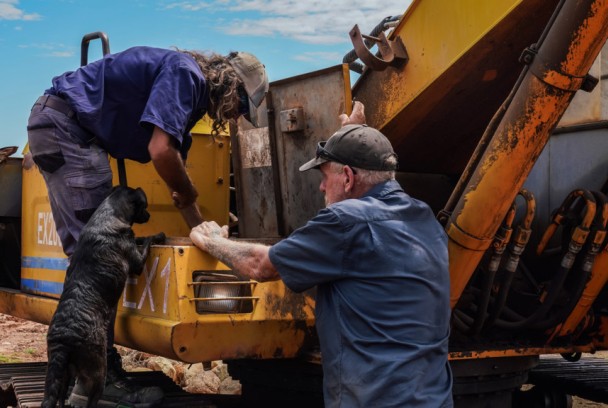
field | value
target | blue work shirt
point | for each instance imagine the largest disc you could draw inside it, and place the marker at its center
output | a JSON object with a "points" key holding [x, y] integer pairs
{"points": [[120, 98], [380, 264]]}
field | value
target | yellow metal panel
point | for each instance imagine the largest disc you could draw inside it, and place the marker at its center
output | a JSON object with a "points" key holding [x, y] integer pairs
{"points": [[436, 34], [42, 259], [463, 61], [26, 306], [236, 339], [157, 313], [208, 166]]}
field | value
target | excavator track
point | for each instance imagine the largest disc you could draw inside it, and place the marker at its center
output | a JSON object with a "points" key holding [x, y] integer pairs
{"points": [[22, 386], [586, 378]]}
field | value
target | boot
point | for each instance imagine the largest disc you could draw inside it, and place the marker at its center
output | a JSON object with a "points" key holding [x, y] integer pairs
{"points": [[115, 371], [119, 394], [119, 391]]}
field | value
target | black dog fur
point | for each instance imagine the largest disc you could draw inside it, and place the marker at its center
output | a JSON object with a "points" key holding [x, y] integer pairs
{"points": [[106, 253]]}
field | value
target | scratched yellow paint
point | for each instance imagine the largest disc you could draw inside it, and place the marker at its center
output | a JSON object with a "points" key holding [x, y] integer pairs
{"points": [[208, 166], [432, 52]]}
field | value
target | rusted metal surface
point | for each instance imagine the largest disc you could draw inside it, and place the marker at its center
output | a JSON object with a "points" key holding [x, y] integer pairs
{"points": [[517, 350], [274, 198], [10, 185], [436, 107], [255, 197], [321, 96], [571, 46], [5, 152], [393, 53]]}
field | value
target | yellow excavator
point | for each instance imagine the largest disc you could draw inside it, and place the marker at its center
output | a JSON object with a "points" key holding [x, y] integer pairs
{"points": [[481, 102]]}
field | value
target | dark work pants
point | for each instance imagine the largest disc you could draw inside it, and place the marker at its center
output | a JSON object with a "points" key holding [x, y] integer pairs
{"points": [[77, 174]]}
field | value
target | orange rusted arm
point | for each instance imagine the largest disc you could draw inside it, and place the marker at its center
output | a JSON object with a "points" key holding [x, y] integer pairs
{"points": [[599, 277], [556, 73]]}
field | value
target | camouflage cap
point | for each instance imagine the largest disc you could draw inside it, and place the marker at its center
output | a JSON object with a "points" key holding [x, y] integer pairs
{"points": [[253, 75]]}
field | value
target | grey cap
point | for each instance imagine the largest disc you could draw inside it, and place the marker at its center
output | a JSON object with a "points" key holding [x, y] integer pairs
{"points": [[357, 146], [253, 74]]}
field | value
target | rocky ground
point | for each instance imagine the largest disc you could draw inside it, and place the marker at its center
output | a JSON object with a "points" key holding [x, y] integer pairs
{"points": [[25, 341], [22, 341]]}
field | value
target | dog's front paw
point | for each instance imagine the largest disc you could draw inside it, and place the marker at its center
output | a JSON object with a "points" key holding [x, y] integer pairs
{"points": [[159, 238]]}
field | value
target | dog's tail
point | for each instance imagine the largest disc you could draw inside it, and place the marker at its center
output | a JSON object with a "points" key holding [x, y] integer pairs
{"points": [[57, 376]]}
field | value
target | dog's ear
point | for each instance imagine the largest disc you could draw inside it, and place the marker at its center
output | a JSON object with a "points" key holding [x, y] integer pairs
{"points": [[141, 196], [117, 190], [118, 200], [140, 203]]}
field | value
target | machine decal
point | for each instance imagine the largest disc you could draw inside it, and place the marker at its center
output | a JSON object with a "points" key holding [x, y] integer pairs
{"points": [[46, 234], [147, 290], [165, 273]]}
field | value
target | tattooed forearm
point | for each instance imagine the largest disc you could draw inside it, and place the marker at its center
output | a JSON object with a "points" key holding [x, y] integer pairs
{"points": [[226, 251], [247, 260]]}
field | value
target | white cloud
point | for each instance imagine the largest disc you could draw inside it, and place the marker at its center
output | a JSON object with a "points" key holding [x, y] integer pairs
{"points": [[9, 10], [318, 56], [43, 46], [61, 54], [311, 21], [189, 5], [51, 50]]}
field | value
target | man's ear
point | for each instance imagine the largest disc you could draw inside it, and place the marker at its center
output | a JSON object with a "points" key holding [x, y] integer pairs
{"points": [[349, 179]]}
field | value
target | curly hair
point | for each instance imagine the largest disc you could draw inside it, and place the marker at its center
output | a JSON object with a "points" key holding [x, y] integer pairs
{"points": [[223, 81]]}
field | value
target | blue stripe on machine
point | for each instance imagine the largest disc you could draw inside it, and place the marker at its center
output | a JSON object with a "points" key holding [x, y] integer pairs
{"points": [[34, 285], [56, 264]]}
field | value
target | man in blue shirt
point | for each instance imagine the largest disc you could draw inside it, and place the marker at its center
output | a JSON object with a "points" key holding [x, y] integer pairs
{"points": [[379, 261], [139, 104]]}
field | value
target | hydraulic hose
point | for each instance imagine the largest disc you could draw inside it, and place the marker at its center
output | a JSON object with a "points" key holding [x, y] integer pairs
{"points": [[592, 279], [520, 240], [498, 248], [577, 240], [558, 69]]}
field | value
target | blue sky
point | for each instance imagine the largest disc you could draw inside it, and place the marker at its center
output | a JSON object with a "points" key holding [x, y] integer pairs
{"points": [[41, 39]]}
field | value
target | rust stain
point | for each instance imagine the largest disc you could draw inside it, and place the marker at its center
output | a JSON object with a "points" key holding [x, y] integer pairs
{"points": [[291, 305]]}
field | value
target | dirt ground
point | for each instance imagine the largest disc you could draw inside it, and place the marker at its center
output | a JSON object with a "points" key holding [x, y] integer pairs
{"points": [[23, 341]]}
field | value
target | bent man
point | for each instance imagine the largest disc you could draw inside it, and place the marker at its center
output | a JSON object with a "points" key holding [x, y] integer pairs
{"points": [[379, 261]]}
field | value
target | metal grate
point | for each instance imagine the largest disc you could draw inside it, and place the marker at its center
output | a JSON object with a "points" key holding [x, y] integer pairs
{"points": [[222, 293]]}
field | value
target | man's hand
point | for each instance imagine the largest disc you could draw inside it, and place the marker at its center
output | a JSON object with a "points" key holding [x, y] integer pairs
{"points": [[192, 215], [357, 117], [203, 233], [185, 199]]}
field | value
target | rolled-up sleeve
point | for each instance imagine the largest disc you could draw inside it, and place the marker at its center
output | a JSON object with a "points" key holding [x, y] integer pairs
{"points": [[311, 255]]}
